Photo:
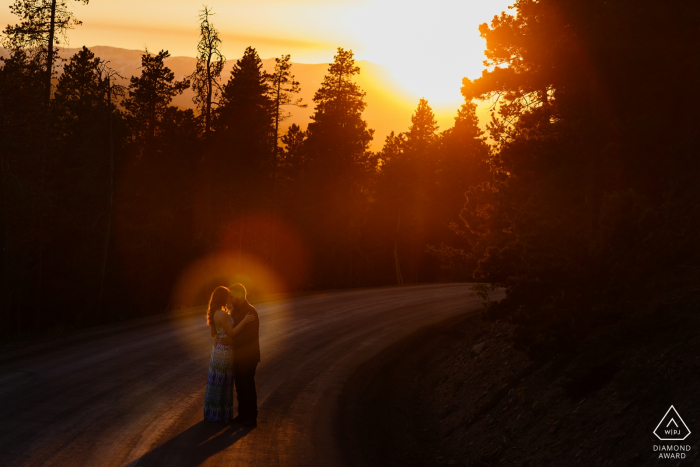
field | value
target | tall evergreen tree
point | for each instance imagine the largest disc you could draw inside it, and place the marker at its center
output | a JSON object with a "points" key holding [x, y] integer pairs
{"points": [[390, 185], [210, 64], [22, 118], [406, 189], [338, 136], [421, 158], [337, 130], [82, 177], [44, 23], [81, 91], [149, 97], [148, 193], [423, 130], [420, 189], [292, 163], [207, 94], [244, 155], [292, 158], [245, 114], [339, 168], [282, 89], [461, 162]]}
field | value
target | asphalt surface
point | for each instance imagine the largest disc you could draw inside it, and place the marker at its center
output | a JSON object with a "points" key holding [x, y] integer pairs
{"points": [[136, 398]]}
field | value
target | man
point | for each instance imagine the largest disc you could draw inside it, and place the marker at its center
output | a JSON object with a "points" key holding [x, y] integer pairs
{"points": [[246, 355]]}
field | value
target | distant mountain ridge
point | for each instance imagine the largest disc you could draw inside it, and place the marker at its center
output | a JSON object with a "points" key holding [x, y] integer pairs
{"points": [[389, 108]]}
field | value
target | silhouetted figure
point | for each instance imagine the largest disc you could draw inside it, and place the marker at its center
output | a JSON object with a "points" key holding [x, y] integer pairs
{"points": [[246, 355], [218, 399]]}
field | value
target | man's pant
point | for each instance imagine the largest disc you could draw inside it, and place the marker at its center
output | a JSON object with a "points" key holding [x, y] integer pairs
{"points": [[244, 382]]}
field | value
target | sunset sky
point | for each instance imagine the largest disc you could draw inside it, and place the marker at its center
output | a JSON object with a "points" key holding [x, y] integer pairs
{"points": [[427, 46]]}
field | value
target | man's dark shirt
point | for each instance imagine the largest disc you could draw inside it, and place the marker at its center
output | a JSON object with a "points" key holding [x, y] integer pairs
{"points": [[246, 344]]}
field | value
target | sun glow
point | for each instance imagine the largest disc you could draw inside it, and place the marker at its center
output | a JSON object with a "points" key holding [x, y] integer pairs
{"points": [[428, 46]]}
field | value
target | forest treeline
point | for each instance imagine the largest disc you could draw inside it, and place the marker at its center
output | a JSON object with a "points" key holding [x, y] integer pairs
{"points": [[583, 199], [110, 194], [592, 213]]}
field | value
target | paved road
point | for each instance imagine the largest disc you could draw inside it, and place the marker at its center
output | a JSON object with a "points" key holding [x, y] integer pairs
{"points": [[136, 398]]}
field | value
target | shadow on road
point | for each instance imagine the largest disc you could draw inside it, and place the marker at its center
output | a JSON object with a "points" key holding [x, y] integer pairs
{"points": [[193, 446]]}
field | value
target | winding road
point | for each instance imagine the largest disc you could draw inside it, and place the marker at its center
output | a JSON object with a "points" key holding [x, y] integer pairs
{"points": [[135, 398]]}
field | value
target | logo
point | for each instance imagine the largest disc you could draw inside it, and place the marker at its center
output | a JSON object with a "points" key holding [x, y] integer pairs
{"points": [[672, 427]]}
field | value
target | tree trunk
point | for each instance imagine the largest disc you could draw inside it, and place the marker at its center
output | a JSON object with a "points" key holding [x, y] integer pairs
{"points": [[44, 156], [207, 118], [49, 58], [111, 201], [5, 289], [274, 171], [397, 264], [240, 243]]}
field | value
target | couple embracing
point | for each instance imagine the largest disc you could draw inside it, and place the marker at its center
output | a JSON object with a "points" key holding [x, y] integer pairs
{"points": [[234, 358]]}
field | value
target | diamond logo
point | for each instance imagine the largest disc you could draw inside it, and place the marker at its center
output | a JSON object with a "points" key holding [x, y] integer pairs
{"points": [[672, 427]]}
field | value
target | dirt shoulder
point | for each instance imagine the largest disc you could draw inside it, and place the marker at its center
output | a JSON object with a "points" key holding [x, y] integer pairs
{"points": [[461, 394]]}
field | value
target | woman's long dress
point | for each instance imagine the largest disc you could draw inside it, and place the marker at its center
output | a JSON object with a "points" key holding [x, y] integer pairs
{"points": [[218, 400]]}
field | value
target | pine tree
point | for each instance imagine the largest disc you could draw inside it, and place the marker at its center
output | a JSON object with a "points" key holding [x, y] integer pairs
{"points": [[150, 192], [243, 159], [338, 94], [291, 165], [292, 157], [461, 163], [337, 132], [406, 186], [85, 171], [339, 170], [391, 186], [245, 117], [81, 91], [21, 120], [463, 152], [282, 89], [210, 64], [423, 130], [149, 97], [44, 23]]}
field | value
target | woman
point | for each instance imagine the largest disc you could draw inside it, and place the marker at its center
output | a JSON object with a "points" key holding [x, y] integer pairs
{"points": [[218, 400]]}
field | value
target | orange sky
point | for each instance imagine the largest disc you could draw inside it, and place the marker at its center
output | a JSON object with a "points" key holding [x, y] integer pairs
{"points": [[428, 46]]}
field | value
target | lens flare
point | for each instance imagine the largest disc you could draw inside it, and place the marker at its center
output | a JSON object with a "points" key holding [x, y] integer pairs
{"points": [[263, 253], [225, 268]]}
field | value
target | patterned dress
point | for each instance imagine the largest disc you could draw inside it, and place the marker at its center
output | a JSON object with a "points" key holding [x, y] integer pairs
{"points": [[218, 400]]}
